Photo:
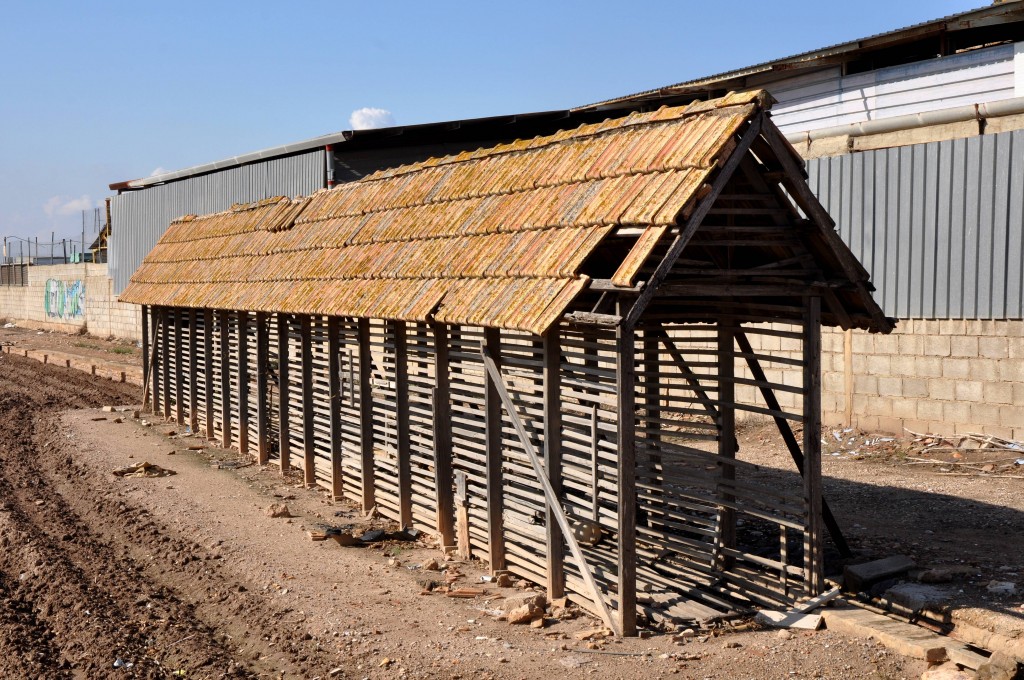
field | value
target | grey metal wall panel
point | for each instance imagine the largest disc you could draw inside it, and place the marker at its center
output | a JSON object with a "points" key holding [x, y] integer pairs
{"points": [[139, 218], [940, 226]]}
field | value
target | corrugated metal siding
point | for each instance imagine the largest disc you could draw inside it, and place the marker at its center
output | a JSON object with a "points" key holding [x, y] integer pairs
{"points": [[826, 98], [139, 218], [938, 225]]}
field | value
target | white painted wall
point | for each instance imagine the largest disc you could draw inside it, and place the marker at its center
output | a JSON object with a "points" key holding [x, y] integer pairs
{"points": [[827, 98]]}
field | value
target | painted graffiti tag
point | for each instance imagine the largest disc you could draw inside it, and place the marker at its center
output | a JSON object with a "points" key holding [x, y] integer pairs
{"points": [[64, 299]]}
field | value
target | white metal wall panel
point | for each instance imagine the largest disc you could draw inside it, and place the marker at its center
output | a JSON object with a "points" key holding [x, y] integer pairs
{"points": [[139, 218], [827, 98], [940, 226]]}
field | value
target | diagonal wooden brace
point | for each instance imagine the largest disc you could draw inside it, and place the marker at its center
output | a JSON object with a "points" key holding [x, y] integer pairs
{"points": [[549, 494]]}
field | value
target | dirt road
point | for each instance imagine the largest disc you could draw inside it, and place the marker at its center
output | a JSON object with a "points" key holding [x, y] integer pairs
{"points": [[186, 576]]}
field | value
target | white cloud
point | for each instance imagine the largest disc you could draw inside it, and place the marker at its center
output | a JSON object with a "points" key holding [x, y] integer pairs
{"points": [[369, 118], [67, 205], [158, 171]]}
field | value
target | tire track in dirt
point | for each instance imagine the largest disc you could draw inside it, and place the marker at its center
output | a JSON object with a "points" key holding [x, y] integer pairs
{"points": [[88, 577]]}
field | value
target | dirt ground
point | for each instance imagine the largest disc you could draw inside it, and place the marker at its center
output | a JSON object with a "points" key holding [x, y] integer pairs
{"points": [[187, 576]]}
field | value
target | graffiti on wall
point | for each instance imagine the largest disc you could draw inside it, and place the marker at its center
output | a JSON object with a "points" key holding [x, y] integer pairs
{"points": [[64, 299]]}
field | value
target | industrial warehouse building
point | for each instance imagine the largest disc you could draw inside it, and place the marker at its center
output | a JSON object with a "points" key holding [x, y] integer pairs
{"points": [[535, 349], [913, 144]]}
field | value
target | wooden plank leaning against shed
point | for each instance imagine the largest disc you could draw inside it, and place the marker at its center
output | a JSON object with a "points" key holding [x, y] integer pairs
{"points": [[334, 390], [553, 504], [443, 437], [262, 385], [492, 436], [208, 369], [224, 317], [283, 394], [308, 433]]}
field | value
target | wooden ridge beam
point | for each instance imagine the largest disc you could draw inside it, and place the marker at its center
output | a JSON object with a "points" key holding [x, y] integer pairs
{"points": [[694, 220]]}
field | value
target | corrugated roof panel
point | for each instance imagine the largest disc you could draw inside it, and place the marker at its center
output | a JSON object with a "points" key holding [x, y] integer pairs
{"points": [[495, 237]]}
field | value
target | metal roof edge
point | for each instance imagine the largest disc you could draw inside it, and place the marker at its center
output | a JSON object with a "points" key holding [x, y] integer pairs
{"points": [[1011, 9], [324, 140]]}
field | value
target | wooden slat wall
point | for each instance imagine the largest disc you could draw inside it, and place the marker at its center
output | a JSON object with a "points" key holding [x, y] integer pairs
{"points": [[469, 455], [524, 514], [385, 423], [422, 356], [683, 496], [589, 435]]}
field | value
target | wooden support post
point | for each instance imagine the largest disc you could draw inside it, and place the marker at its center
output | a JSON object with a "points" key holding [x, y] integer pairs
{"points": [[726, 422], [155, 365], [208, 370], [813, 548], [262, 380], [402, 425], [552, 388], [651, 355], [308, 432], [790, 440], [193, 371], [366, 415], [165, 363], [334, 389], [146, 342], [552, 501], [625, 384], [492, 436], [225, 378], [179, 368], [243, 383], [283, 393], [443, 437]]}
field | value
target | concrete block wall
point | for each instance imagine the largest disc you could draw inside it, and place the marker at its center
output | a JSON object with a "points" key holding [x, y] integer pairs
{"points": [[943, 376], [68, 298], [940, 376]]}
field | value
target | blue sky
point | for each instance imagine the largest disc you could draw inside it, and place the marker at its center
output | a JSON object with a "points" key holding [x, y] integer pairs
{"points": [[98, 92]]}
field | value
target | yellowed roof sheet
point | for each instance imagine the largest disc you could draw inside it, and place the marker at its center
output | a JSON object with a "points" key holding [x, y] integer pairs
{"points": [[495, 237]]}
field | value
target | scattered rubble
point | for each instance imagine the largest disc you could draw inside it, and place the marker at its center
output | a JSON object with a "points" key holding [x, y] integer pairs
{"points": [[143, 470], [278, 510]]}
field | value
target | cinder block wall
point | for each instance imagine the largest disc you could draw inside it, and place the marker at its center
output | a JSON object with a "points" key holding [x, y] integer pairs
{"points": [[944, 376], [68, 297], [939, 376]]}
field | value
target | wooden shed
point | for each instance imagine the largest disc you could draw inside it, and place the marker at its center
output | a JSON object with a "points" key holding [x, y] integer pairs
{"points": [[534, 350]]}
